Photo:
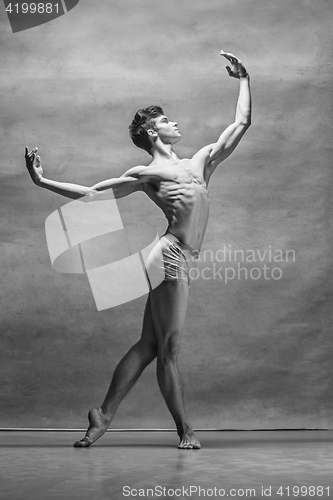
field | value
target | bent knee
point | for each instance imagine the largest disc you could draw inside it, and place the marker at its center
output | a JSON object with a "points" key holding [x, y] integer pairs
{"points": [[168, 352], [167, 358]]}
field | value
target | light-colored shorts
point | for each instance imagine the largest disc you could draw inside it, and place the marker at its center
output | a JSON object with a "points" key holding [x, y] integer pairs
{"points": [[170, 260]]}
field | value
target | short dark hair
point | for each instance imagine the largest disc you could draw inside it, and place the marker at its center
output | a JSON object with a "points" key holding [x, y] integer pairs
{"points": [[140, 125]]}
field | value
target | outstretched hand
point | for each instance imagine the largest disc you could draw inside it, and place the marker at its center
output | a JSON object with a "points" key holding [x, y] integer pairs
{"points": [[33, 165], [237, 69]]}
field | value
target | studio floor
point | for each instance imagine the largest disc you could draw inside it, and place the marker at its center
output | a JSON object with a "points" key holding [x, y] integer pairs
{"points": [[236, 464]]}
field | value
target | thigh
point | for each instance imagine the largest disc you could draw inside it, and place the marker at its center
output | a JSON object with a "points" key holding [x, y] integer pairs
{"points": [[169, 306], [148, 334]]}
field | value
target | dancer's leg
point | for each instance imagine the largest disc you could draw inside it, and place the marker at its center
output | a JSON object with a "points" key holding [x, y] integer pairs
{"points": [[169, 305], [125, 375]]}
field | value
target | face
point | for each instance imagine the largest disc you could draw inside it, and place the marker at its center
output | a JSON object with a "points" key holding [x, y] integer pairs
{"points": [[167, 130]]}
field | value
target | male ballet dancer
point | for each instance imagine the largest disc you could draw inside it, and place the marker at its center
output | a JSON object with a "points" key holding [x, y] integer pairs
{"points": [[179, 188]]}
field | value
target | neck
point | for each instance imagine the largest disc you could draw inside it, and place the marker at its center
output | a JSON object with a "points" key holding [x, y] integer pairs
{"points": [[162, 152]]}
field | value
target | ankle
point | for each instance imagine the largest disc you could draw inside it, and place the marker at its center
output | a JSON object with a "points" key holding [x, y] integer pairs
{"points": [[184, 428], [105, 414]]}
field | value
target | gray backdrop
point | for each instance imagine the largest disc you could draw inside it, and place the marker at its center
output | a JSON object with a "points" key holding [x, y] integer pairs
{"points": [[256, 352]]}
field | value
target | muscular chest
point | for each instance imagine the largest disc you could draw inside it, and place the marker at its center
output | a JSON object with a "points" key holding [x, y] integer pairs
{"points": [[173, 181], [179, 173]]}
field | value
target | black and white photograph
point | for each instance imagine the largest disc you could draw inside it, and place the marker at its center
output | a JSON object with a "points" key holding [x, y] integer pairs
{"points": [[166, 249]]}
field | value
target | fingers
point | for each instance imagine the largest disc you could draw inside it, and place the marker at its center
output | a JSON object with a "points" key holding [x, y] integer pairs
{"points": [[230, 57], [30, 155], [229, 70]]}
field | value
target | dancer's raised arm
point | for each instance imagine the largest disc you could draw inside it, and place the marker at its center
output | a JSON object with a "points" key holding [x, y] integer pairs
{"points": [[215, 153], [128, 183]]}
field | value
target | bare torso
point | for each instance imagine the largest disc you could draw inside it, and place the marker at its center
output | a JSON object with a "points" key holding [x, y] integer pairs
{"points": [[178, 187]]}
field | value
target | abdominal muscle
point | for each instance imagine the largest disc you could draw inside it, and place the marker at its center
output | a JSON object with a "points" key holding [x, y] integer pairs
{"points": [[186, 207]]}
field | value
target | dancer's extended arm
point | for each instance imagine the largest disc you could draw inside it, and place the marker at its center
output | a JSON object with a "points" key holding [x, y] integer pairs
{"points": [[215, 153], [128, 183]]}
